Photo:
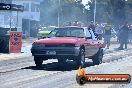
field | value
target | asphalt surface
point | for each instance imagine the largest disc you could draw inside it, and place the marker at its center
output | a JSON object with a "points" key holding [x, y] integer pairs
{"points": [[22, 73]]}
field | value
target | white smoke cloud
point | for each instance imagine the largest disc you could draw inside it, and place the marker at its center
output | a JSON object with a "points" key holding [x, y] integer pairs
{"points": [[84, 2]]}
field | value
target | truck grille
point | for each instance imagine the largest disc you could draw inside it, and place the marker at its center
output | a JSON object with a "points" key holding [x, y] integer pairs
{"points": [[61, 45]]}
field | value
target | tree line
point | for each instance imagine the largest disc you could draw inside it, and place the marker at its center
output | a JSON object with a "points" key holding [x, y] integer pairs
{"points": [[115, 11]]}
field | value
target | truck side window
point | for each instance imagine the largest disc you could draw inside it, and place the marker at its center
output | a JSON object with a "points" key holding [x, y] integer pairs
{"points": [[88, 34], [93, 36]]}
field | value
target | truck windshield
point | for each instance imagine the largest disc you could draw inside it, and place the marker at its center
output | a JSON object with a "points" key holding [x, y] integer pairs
{"points": [[67, 32]]}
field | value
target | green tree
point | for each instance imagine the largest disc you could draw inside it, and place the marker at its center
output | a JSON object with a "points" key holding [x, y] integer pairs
{"points": [[116, 11]]}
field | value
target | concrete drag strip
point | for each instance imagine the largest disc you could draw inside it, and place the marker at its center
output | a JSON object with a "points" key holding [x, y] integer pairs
{"points": [[117, 67], [28, 78], [63, 79]]}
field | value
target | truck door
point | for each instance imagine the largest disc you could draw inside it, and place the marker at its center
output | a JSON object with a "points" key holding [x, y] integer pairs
{"points": [[91, 43]]}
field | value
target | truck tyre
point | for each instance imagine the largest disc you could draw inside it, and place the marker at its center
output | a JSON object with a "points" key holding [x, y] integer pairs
{"points": [[38, 61], [97, 59], [62, 61], [80, 60]]}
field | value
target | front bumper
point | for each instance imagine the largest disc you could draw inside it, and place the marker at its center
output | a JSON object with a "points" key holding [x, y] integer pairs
{"points": [[60, 51]]}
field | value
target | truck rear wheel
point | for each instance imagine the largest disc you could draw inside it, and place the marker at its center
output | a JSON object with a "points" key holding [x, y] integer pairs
{"points": [[80, 60], [38, 61], [97, 59]]}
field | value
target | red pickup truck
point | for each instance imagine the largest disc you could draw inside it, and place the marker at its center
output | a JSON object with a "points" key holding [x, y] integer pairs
{"points": [[72, 43]]}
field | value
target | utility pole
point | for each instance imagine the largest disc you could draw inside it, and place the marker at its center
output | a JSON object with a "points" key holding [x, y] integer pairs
{"points": [[59, 14], [94, 11]]}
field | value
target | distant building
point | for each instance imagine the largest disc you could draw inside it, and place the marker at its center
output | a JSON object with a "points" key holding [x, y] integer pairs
{"points": [[30, 16], [6, 1], [10, 19]]}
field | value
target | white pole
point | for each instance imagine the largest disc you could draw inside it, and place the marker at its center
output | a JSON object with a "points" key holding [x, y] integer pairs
{"points": [[95, 12], [58, 19], [17, 21], [10, 20], [59, 15]]}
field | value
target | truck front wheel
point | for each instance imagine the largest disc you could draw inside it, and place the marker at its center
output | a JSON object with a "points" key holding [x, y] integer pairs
{"points": [[62, 61], [38, 61], [80, 59], [97, 59]]}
